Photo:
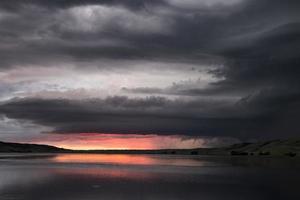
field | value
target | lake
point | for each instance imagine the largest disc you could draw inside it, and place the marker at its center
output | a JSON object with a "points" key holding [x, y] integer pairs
{"points": [[149, 177]]}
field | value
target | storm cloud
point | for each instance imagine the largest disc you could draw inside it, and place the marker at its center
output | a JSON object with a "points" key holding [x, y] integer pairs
{"points": [[196, 67]]}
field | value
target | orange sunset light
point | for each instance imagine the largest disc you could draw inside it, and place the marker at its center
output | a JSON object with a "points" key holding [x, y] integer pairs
{"points": [[90, 141]]}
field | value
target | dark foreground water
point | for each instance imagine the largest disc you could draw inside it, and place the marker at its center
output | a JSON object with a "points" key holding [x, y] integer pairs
{"points": [[149, 177]]}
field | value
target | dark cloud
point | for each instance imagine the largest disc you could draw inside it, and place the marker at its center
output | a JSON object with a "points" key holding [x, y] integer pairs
{"points": [[35, 33], [250, 117], [252, 47], [58, 4]]}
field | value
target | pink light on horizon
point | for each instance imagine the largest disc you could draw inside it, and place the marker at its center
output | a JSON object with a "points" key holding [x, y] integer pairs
{"points": [[90, 141]]}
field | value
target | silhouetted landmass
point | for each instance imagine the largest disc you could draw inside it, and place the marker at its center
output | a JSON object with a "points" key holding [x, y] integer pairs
{"points": [[6, 147], [289, 147]]}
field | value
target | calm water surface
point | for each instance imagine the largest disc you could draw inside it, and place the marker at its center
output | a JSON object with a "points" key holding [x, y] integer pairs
{"points": [[150, 177]]}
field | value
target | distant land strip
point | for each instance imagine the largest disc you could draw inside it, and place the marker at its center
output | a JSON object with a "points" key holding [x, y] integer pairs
{"points": [[290, 147]]}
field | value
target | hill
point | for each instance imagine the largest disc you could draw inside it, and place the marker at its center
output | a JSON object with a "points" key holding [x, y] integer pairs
{"points": [[289, 147], [6, 147]]}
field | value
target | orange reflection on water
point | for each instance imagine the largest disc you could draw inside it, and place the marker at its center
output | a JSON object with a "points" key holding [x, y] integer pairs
{"points": [[106, 173], [105, 158], [126, 159]]}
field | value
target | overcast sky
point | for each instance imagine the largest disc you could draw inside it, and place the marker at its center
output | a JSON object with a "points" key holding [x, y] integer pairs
{"points": [[193, 68]]}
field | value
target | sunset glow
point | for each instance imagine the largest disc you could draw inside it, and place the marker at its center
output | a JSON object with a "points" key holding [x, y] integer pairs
{"points": [[126, 159], [105, 158], [90, 141]]}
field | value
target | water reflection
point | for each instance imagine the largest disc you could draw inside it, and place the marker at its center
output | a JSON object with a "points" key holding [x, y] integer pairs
{"points": [[125, 159], [137, 177], [121, 174]]}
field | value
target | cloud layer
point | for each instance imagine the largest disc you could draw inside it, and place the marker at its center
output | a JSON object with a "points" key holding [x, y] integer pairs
{"points": [[197, 68]]}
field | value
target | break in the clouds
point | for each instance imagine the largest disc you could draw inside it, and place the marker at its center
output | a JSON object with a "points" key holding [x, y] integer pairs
{"points": [[205, 68]]}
